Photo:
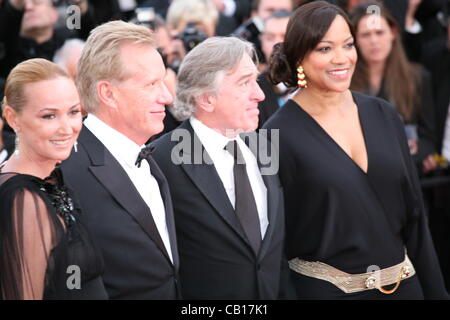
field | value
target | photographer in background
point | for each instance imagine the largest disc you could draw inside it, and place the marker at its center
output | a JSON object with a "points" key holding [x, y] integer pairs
{"points": [[173, 52], [231, 15], [202, 13], [160, 6], [276, 95], [32, 31], [188, 23], [251, 29], [28, 29]]}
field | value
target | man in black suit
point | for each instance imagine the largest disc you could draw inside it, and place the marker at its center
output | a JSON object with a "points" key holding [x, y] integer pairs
{"points": [[124, 197], [228, 208]]}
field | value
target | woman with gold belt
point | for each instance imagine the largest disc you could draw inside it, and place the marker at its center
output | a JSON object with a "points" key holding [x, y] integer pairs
{"points": [[356, 226]]}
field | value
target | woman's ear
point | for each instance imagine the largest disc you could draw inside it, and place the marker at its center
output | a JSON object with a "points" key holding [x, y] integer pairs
{"points": [[11, 118], [394, 31]]}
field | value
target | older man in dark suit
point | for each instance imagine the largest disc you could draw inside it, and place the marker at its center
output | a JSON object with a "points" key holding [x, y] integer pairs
{"points": [[228, 207], [124, 195]]}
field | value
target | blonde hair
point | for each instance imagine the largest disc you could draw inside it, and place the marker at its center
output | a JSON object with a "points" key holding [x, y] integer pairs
{"points": [[27, 72], [196, 11], [101, 58]]}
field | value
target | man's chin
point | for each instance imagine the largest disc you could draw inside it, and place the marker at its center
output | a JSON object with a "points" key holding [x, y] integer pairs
{"points": [[252, 126], [156, 130]]}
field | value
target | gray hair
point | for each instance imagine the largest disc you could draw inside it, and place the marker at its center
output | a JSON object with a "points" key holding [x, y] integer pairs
{"points": [[204, 67]]}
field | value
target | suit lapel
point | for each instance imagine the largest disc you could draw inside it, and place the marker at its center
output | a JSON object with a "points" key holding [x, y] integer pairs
{"points": [[273, 193], [206, 179], [273, 199], [165, 194], [114, 178]]}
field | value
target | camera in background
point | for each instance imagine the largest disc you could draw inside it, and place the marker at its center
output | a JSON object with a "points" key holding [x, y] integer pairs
{"points": [[250, 30], [191, 36]]}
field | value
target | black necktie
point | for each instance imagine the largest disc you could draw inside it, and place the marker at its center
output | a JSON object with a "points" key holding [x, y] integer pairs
{"points": [[144, 154], [245, 205]]}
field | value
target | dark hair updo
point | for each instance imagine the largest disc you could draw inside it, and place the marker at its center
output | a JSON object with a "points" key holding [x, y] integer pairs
{"points": [[306, 28]]}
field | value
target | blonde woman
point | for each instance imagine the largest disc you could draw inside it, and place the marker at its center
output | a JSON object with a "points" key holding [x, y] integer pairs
{"points": [[45, 252]]}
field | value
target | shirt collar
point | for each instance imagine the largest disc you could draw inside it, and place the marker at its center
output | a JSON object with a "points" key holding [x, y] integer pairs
{"points": [[121, 147], [212, 140]]}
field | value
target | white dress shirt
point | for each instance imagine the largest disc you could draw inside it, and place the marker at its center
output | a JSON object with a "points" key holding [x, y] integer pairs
{"points": [[125, 151], [214, 144], [3, 154], [446, 139]]}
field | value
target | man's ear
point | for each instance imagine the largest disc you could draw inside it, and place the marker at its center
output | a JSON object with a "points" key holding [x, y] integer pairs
{"points": [[106, 93], [206, 102]]}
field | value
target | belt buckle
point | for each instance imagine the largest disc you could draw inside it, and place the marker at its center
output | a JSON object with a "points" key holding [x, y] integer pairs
{"points": [[370, 282], [405, 271]]}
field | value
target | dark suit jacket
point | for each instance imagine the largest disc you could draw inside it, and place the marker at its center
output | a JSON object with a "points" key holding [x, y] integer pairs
{"points": [[269, 105], [216, 259], [137, 265]]}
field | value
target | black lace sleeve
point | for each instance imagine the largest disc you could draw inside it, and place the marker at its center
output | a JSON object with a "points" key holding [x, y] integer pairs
{"points": [[28, 232]]}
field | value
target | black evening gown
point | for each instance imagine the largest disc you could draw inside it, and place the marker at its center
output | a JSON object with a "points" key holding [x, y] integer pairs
{"points": [[74, 264], [340, 215]]}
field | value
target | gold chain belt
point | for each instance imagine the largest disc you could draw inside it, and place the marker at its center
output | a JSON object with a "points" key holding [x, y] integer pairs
{"points": [[350, 283]]}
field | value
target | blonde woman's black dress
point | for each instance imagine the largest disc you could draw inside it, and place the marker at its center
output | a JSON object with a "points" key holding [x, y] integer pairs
{"points": [[74, 265]]}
